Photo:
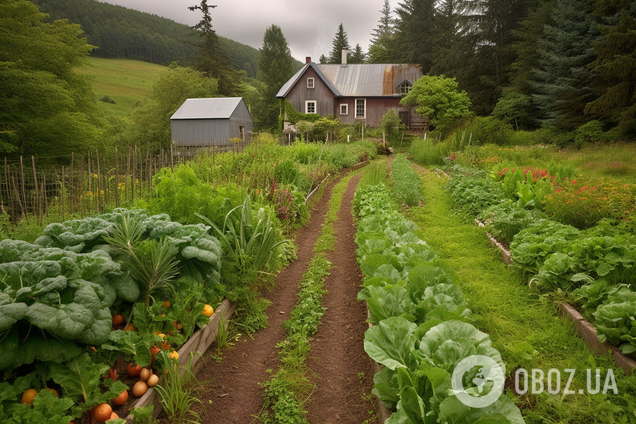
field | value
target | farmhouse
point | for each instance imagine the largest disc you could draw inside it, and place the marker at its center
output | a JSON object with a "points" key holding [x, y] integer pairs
{"points": [[354, 92], [202, 122]]}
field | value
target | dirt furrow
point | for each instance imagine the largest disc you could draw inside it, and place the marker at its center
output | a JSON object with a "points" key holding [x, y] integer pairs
{"points": [[233, 390], [343, 371]]}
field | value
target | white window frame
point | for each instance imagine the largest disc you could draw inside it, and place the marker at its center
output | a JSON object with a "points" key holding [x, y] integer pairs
{"points": [[364, 116], [345, 107], [307, 102], [311, 83], [405, 88]]}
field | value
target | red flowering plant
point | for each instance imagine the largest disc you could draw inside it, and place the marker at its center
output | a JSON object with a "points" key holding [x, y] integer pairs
{"points": [[583, 203], [527, 185]]}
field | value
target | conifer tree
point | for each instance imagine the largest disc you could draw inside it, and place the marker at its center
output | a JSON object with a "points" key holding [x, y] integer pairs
{"points": [[614, 76], [275, 68], [414, 34], [211, 59], [358, 55], [561, 81], [381, 36], [340, 43]]}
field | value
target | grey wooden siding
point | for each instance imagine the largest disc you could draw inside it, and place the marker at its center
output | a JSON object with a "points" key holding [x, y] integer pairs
{"points": [[325, 100], [197, 132], [241, 118]]}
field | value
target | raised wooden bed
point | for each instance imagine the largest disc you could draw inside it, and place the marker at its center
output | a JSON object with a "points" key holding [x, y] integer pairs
{"points": [[583, 327], [199, 342]]}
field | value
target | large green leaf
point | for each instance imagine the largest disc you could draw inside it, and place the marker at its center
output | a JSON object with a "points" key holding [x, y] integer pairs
{"points": [[387, 301], [391, 343]]}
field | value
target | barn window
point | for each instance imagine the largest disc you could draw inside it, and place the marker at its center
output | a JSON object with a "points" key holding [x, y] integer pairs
{"points": [[310, 106], [361, 108], [310, 83], [405, 88], [344, 109]]}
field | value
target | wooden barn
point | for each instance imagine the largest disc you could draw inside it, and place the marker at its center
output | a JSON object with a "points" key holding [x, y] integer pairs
{"points": [[354, 92], [201, 122]]}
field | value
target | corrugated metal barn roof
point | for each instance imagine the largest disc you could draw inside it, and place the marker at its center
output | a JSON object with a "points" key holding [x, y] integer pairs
{"points": [[370, 80], [213, 108]]}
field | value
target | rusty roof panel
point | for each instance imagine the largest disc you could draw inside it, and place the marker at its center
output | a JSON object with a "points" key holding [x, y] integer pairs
{"points": [[370, 80]]}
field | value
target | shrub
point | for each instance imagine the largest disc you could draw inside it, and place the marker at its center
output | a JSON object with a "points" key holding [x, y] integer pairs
{"points": [[588, 133], [492, 131], [391, 125]]}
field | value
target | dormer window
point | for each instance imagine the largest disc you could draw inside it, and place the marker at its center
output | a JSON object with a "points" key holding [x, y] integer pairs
{"points": [[310, 83], [404, 88]]}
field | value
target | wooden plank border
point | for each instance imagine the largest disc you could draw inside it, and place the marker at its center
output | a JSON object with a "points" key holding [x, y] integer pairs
{"points": [[199, 342]]}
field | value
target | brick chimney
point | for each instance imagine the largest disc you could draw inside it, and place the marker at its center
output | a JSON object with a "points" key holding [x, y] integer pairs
{"points": [[308, 59], [344, 57]]}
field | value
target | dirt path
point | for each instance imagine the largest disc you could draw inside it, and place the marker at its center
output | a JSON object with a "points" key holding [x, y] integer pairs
{"points": [[337, 354], [234, 391]]}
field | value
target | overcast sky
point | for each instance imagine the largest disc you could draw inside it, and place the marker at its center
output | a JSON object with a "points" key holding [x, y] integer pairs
{"points": [[308, 26]]}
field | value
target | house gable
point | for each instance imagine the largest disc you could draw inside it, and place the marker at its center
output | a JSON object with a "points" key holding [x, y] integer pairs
{"points": [[300, 95]]}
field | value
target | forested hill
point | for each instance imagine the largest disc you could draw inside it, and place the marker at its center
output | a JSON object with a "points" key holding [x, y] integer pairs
{"points": [[125, 33]]}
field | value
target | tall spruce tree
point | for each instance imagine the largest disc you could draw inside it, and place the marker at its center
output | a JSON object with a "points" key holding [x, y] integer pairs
{"points": [[358, 55], [275, 68], [561, 81], [415, 30], [211, 59], [615, 67], [340, 43], [381, 36]]}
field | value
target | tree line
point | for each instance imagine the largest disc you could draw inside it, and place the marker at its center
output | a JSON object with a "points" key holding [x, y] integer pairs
{"points": [[119, 32], [556, 64]]}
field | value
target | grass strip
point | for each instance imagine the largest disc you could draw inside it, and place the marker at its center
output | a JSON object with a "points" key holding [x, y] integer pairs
{"points": [[524, 326], [287, 390]]}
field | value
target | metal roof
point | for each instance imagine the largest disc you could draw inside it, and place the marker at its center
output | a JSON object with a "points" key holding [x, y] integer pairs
{"points": [[370, 80], [212, 108], [285, 89]]}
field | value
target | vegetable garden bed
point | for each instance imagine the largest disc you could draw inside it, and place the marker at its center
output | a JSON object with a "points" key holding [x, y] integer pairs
{"points": [[198, 343]]}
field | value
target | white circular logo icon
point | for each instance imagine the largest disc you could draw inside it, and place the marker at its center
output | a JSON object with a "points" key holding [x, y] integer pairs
{"points": [[487, 378]]}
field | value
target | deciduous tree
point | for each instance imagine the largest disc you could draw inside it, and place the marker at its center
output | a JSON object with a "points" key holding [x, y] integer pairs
{"points": [[440, 99]]}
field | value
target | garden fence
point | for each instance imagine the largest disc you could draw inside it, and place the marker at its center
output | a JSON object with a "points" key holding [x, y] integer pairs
{"points": [[32, 187]]}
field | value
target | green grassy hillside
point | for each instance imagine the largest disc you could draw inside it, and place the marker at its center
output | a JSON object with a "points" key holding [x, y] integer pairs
{"points": [[125, 81]]}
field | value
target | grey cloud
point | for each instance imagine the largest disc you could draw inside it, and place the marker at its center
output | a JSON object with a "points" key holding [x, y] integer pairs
{"points": [[308, 26]]}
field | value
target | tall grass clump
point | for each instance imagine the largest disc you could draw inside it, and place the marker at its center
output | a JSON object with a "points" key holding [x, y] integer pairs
{"points": [[427, 152], [375, 173], [406, 181]]}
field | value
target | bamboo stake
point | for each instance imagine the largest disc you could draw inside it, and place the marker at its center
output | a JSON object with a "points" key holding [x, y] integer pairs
{"points": [[24, 212], [116, 178], [90, 180], [81, 185], [62, 194], [36, 196], [99, 175]]}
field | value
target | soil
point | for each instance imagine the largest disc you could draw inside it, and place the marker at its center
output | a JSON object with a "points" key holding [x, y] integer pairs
{"points": [[234, 393], [343, 371]]}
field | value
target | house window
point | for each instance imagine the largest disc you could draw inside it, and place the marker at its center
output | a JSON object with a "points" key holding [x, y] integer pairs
{"points": [[344, 109], [404, 88], [361, 108], [310, 106], [310, 83]]}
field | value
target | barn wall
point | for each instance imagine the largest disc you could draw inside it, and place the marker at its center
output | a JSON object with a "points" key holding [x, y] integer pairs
{"points": [[241, 117], [299, 93], [197, 132]]}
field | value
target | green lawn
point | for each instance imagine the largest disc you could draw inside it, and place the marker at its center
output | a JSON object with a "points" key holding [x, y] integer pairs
{"points": [[125, 81], [524, 326]]}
